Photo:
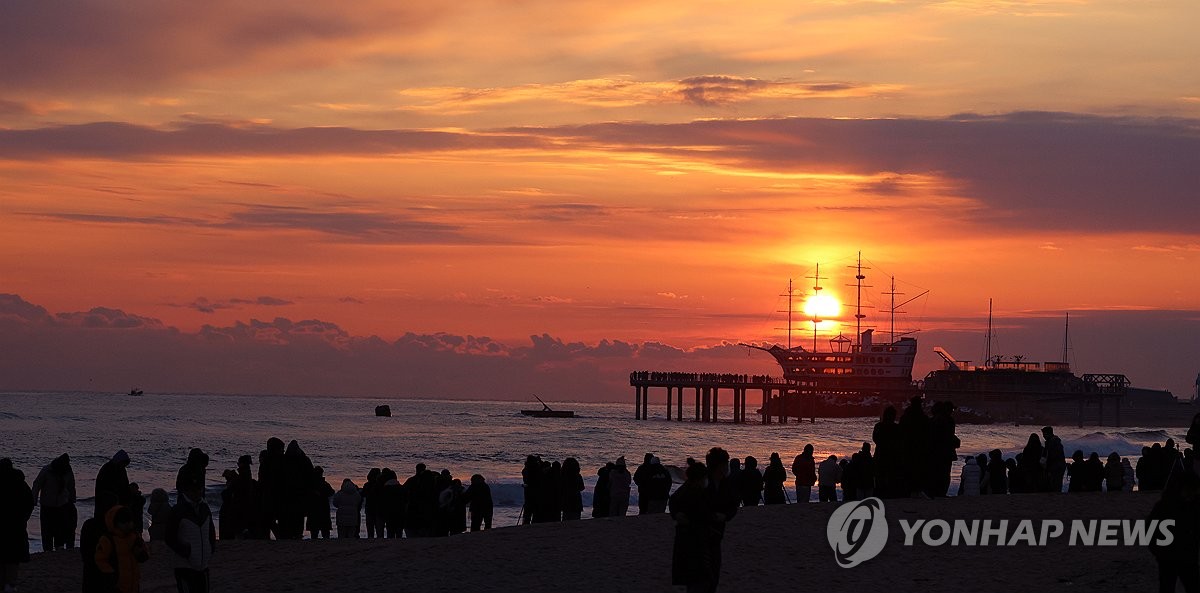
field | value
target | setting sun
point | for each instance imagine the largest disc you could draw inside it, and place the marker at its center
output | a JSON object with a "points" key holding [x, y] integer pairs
{"points": [[822, 306]]}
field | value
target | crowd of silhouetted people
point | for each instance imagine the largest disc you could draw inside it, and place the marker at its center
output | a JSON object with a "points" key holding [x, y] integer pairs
{"points": [[910, 455]]}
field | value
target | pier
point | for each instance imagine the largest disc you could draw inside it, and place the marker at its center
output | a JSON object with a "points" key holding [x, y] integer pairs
{"points": [[707, 388]]}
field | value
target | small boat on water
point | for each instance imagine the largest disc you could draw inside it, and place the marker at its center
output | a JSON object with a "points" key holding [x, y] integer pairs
{"points": [[546, 412], [135, 391]]}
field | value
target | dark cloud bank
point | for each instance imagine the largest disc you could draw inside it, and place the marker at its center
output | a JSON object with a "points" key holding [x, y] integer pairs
{"points": [[111, 350]]}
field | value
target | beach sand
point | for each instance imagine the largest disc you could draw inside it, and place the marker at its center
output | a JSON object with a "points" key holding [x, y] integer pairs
{"points": [[766, 550]]}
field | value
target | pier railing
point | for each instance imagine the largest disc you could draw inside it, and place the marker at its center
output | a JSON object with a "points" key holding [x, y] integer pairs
{"points": [[707, 387]]}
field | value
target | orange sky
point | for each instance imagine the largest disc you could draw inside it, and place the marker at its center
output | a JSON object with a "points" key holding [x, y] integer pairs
{"points": [[602, 171]]}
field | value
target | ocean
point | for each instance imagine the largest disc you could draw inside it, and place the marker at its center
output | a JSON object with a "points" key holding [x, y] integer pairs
{"points": [[466, 437]]}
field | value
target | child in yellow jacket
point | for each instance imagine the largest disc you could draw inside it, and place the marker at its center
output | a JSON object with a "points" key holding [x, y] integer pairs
{"points": [[121, 550]]}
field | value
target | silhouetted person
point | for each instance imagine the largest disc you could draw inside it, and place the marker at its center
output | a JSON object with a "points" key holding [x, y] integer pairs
{"points": [[393, 503], [1056, 460], [692, 510], [191, 536], [113, 477], [996, 481], [1030, 464], [915, 448], [863, 468], [1179, 561], [319, 524], [804, 467], [1095, 473], [54, 490], [1114, 473], [228, 526], [829, 474], [297, 492], [1129, 477], [749, 483], [773, 481], [14, 519], [968, 481], [120, 551], [479, 499], [601, 493], [348, 501], [456, 507], [1078, 472], [888, 455], [89, 537], [570, 488], [372, 492], [640, 478], [271, 474], [530, 476], [619, 481], [160, 513], [943, 450], [547, 508], [242, 495], [1016, 478], [194, 468]]}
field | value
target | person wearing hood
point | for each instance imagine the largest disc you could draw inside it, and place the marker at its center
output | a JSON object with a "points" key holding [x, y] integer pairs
{"points": [[193, 469], [773, 480], [1180, 559], [804, 467], [113, 477], [1114, 473], [619, 481], [601, 492], [191, 537], [570, 485], [54, 490], [14, 518], [372, 492], [160, 513], [829, 474], [120, 551], [319, 524], [1129, 478], [968, 481], [348, 501], [393, 503], [297, 489]]}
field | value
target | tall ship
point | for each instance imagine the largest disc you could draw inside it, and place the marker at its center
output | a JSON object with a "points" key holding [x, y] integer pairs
{"points": [[1012, 389], [851, 377]]}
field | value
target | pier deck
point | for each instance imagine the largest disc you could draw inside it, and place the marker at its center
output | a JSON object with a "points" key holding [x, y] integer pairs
{"points": [[707, 387]]}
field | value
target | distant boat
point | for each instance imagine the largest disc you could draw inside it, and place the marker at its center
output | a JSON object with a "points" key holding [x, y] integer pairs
{"points": [[135, 391], [546, 412]]}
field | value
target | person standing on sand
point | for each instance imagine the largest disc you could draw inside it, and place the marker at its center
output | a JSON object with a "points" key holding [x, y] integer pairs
{"points": [[968, 481], [1055, 460], [887, 439], [191, 536], [479, 495], [773, 480], [160, 513], [348, 501], [570, 485], [691, 509], [119, 552], [829, 474], [619, 481], [54, 490], [943, 447], [89, 537], [601, 493], [1179, 561], [14, 518], [319, 524], [749, 482], [804, 467], [194, 468], [113, 477], [372, 494]]}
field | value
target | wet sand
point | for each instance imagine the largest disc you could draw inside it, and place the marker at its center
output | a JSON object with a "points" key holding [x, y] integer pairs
{"points": [[767, 550]]}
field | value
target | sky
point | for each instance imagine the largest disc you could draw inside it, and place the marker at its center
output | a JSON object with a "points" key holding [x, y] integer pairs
{"points": [[492, 198]]}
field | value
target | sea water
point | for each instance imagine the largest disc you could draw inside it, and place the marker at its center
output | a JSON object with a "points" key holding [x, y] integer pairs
{"points": [[466, 437]]}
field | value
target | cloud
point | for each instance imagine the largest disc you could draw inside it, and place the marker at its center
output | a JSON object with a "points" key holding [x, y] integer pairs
{"points": [[206, 305], [143, 44], [110, 349], [714, 90]]}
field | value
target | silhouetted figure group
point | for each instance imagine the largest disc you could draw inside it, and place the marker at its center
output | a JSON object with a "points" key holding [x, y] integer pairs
{"points": [[554, 491]]}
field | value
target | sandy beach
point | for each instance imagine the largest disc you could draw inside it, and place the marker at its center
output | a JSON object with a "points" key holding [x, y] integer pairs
{"points": [[767, 549]]}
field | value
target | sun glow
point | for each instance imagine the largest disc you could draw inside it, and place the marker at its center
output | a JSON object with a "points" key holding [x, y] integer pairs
{"points": [[822, 306]]}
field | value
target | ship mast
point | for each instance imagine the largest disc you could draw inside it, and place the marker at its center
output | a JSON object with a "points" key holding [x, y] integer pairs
{"points": [[858, 314], [987, 348], [817, 288], [1066, 336]]}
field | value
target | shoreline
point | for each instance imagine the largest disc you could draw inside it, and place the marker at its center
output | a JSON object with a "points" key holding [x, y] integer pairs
{"points": [[765, 548]]}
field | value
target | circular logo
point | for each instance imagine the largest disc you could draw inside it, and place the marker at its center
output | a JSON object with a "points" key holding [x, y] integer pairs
{"points": [[857, 532]]}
